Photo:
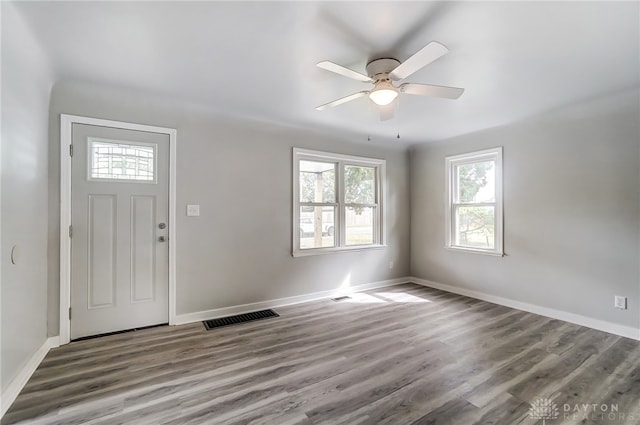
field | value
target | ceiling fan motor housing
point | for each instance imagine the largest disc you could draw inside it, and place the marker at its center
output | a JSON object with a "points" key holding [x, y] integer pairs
{"points": [[379, 69]]}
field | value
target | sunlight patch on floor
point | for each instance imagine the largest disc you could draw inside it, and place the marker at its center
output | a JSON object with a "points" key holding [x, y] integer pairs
{"points": [[362, 298], [384, 297], [401, 297]]}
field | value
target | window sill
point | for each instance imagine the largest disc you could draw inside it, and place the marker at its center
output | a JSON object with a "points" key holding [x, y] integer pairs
{"points": [[323, 251], [475, 251]]}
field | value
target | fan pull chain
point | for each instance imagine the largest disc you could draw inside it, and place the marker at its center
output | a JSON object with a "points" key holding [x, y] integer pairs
{"points": [[398, 118]]}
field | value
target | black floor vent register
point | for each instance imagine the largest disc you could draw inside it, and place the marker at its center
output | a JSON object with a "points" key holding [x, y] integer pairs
{"points": [[342, 298], [239, 318]]}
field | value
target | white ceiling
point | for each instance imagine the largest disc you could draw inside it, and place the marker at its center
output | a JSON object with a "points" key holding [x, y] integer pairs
{"points": [[257, 60]]}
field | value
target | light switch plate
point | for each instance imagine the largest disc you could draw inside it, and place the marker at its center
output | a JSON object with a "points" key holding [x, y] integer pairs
{"points": [[620, 302], [193, 210]]}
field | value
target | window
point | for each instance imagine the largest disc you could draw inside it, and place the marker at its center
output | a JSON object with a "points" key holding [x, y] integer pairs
{"points": [[337, 202], [116, 160], [474, 207]]}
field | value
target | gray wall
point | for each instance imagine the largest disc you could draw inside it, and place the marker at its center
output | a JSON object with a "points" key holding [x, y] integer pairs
{"points": [[239, 249], [26, 84], [571, 211]]}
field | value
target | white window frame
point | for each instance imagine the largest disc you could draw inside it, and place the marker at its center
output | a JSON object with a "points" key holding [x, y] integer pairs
{"points": [[379, 228], [451, 162]]}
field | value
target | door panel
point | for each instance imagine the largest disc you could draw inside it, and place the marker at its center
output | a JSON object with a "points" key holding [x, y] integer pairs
{"points": [[119, 264], [102, 256]]}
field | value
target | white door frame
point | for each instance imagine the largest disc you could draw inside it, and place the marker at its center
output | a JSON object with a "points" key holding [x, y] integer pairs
{"points": [[66, 123]]}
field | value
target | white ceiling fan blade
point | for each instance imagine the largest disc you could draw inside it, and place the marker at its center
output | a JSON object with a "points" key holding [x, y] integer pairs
{"points": [[431, 90], [424, 57], [342, 100], [387, 111], [339, 69]]}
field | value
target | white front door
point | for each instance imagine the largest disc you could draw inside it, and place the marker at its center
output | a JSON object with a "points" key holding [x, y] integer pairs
{"points": [[119, 246]]}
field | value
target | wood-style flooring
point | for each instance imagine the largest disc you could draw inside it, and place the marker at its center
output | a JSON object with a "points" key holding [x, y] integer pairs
{"points": [[399, 355]]}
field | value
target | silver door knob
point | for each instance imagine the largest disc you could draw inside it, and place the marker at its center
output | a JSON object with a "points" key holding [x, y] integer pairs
{"points": [[161, 239], [162, 226]]}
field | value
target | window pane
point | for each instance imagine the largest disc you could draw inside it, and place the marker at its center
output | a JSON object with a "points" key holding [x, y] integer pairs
{"points": [[475, 227], [359, 226], [317, 181], [316, 227], [121, 161], [359, 185], [476, 182]]}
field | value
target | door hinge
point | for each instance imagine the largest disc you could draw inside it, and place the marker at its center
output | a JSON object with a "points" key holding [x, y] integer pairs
{"points": [[70, 230], [71, 150], [69, 313]]}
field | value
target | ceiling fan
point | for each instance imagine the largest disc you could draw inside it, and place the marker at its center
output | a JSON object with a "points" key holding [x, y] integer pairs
{"points": [[383, 72]]}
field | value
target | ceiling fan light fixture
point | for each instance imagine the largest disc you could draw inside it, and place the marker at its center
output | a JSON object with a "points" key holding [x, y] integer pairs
{"points": [[384, 71], [383, 93]]}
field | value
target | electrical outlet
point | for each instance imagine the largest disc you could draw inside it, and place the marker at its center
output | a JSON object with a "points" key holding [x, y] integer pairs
{"points": [[193, 210], [620, 302], [390, 264]]}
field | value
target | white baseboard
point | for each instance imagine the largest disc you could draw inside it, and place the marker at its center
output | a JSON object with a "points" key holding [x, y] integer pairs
{"points": [[279, 302], [20, 380], [601, 325]]}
